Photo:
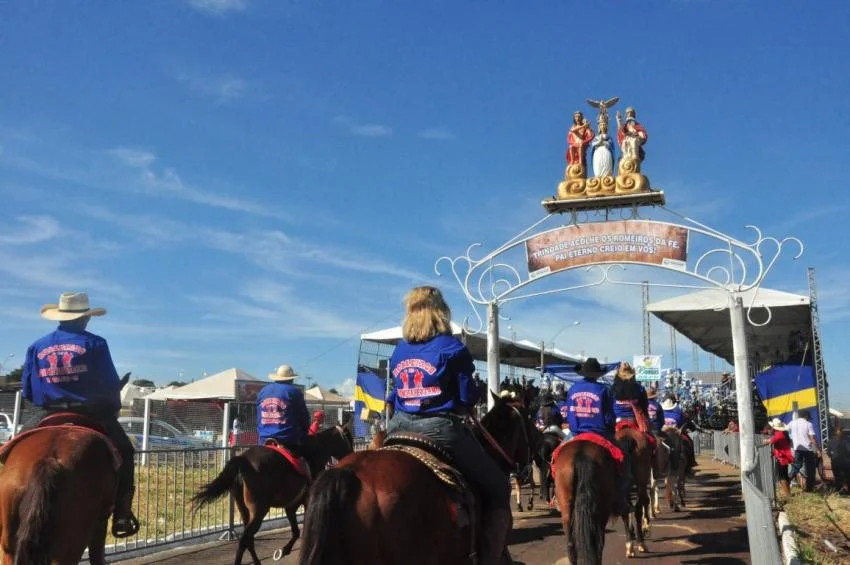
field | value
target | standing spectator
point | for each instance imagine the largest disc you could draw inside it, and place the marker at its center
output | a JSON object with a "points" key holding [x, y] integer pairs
{"points": [[782, 453], [806, 450]]}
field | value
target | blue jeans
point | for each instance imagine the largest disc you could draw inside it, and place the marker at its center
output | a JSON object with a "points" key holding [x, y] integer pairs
{"points": [[471, 460]]}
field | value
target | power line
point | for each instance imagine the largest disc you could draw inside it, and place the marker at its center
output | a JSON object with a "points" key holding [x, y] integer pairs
{"points": [[346, 340]]}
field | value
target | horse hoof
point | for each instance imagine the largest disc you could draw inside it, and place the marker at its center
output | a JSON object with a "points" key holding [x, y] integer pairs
{"points": [[277, 555], [642, 548], [519, 508], [676, 509], [530, 506], [630, 551]]}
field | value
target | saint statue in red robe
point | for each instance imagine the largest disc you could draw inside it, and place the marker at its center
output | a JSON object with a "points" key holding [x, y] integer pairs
{"points": [[578, 139], [631, 136]]}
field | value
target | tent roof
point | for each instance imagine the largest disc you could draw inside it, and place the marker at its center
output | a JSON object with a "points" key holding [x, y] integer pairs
{"points": [[130, 392], [703, 317], [522, 353], [161, 394], [220, 385], [324, 395]]}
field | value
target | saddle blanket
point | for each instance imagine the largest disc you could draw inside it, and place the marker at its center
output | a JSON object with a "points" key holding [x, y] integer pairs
{"points": [[615, 451], [68, 420], [633, 425], [298, 463]]}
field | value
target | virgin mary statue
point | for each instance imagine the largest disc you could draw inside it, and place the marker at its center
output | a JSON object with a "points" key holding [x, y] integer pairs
{"points": [[603, 152]]}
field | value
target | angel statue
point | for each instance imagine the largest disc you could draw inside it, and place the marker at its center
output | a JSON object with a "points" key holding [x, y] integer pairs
{"points": [[580, 135], [631, 136], [603, 106], [603, 150]]}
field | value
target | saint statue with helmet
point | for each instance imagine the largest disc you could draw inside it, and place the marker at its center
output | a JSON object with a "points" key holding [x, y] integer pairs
{"points": [[70, 370]]}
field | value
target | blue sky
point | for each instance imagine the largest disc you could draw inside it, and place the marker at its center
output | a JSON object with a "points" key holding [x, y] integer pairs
{"points": [[246, 183]]}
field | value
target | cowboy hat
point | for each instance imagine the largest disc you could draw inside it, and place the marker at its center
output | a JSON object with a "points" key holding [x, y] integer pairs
{"points": [[283, 373], [669, 404], [590, 368], [72, 305], [778, 425], [652, 392]]}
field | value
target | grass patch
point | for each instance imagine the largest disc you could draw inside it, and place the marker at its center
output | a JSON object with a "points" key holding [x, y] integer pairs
{"points": [[820, 518]]}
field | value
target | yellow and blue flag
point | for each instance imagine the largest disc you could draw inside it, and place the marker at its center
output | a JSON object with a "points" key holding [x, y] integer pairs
{"points": [[370, 391], [784, 384]]}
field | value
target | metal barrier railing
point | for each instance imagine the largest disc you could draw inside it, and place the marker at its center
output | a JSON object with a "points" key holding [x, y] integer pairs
{"points": [[165, 484]]}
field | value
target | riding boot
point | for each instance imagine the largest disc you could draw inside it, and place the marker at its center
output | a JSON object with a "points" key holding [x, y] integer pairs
{"points": [[124, 523], [493, 537]]}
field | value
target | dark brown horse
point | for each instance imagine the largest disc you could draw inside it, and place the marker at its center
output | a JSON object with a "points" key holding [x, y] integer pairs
{"points": [[636, 523], [386, 506], [586, 486], [260, 478], [57, 490], [671, 467]]}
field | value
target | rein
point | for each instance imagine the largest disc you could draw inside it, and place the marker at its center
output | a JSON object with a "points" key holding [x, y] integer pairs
{"points": [[495, 444]]}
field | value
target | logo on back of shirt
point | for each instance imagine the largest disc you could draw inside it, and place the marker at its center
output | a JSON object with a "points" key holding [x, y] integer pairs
{"points": [[60, 359], [582, 404], [410, 372], [273, 411]]}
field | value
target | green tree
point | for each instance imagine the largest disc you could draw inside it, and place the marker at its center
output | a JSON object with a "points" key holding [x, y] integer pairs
{"points": [[176, 383], [334, 391], [144, 382], [14, 376]]}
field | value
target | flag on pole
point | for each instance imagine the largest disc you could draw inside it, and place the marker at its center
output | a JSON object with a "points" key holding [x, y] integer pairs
{"points": [[370, 390]]}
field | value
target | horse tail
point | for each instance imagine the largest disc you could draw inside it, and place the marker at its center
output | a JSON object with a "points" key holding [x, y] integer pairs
{"points": [[588, 529], [221, 485], [332, 497], [33, 543]]}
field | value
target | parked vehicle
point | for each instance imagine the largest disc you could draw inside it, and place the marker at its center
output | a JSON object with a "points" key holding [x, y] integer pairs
{"points": [[161, 435], [6, 427]]}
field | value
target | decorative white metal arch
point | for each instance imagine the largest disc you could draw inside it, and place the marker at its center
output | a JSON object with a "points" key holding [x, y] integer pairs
{"points": [[727, 264]]}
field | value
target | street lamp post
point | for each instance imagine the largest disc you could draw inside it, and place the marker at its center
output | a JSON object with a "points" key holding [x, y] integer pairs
{"points": [[552, 341]]}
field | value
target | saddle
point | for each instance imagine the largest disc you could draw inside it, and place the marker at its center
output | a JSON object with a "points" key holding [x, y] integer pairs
{"points": [[634, 426], [298, 463], [441, 464], [69, 420]]}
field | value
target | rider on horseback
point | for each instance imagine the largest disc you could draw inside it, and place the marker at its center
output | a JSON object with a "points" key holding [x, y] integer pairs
{"points": [[654, 409], [675, 417], [434, 391], [591, 410], [550, 417], [282, 412], [71, 370], [630, 400]]}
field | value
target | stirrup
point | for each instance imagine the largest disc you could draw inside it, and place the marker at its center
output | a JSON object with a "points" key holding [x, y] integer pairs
{"points": [[125, 526]]}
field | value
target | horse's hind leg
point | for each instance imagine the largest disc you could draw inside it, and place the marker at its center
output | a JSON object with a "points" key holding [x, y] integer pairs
{"points": [[251, 528], [97, 544], [518, 493], [295, 533], [531, 496]]}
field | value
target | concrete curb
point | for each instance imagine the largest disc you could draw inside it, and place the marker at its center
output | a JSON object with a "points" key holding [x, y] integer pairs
{"points": [[789, 544]]}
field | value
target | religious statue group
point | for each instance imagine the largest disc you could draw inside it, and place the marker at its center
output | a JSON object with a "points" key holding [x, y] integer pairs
{"points": [[611, 176], [631, 136]]}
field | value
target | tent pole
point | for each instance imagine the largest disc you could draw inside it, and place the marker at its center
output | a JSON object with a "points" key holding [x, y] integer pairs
{"points": [[492, 352], [743, 386]]}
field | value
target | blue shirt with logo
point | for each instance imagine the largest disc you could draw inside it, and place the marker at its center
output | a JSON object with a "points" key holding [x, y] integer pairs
{"points": [[590, 408], [656, 415], [282, 414], [623, 408], [433, 377], [674, 418], [563, 408], [71, 365]]}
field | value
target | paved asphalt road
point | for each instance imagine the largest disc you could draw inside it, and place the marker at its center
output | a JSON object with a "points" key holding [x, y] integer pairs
{"points": [[711, 530]]}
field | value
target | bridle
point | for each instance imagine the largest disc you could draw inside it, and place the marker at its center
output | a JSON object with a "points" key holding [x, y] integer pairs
{"points": [[512, 464]]}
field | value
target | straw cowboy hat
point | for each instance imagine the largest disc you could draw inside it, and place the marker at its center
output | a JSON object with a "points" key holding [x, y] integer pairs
{"points": [[777, 424], [284, 373], [652, 392], [72, 305], [669, 404], [590, 368]]}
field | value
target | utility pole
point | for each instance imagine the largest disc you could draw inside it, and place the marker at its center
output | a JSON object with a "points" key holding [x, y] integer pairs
{"points": [[647, 344], [695, 358], [821, 385]]}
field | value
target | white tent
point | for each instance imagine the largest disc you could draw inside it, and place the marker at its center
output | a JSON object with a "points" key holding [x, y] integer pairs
{"points": [[703, 317], [130, 392], [320, 394], [519, 354], [162, 393], [219, 386]]}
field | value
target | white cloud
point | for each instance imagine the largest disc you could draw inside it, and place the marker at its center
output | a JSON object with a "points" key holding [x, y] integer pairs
{"points": [[346, 387], [33, 229], [221, 88], [137, 158], [364, 129], [219, 7], [437, 133]]}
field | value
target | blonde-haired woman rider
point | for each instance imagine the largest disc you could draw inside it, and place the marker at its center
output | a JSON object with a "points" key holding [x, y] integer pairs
{"points": [[434, 390]]}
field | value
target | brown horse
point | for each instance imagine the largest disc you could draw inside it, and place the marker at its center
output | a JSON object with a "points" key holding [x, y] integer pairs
{"points": [[387, 506], [636, 523], [57, 490], [586, 486], [671, 466], [260, 478]]}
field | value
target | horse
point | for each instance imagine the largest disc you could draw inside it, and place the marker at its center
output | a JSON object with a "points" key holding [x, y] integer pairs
{"points": [[671, 466], [586, 486], [260, 478], [543, 457], [525, 476], [392, 506], [57, 492], [633, 441]]}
